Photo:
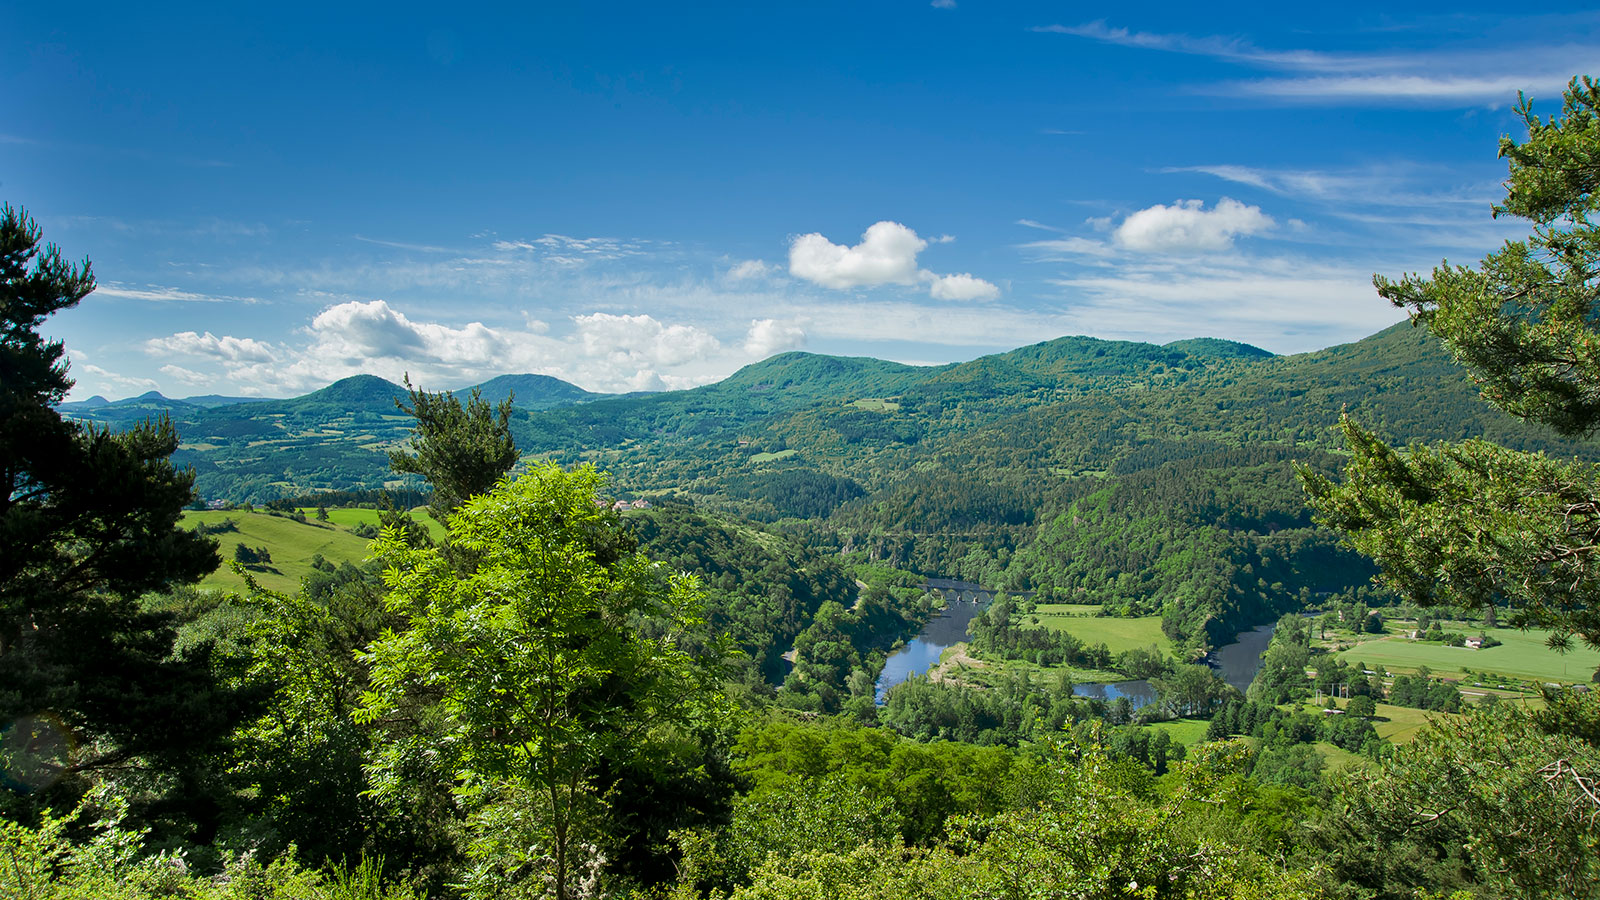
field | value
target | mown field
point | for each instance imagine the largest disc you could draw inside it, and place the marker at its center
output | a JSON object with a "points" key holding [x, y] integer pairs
{"points": [[350, 518], [1522, 654], [1117, 634]]}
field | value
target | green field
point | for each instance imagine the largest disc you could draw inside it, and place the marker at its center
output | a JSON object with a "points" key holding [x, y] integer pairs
{"points": [[770, 457], [291, 544], [350, 518], [1522, 654], [876, 404], [1187, 732], [1116, 633]]}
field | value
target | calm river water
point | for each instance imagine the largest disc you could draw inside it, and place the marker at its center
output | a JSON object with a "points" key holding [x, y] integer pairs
{"points": [[1236, 662]]}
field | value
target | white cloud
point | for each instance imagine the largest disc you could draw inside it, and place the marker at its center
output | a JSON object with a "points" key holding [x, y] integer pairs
{"points": [[642, 340], [358, 330], [943, 4], [1285, 304], [1186, 226], [105, 376], [159, 294], [887, 254], [227, 347], [770, 336], [187, 376], [962, 287], [1072, 246]]}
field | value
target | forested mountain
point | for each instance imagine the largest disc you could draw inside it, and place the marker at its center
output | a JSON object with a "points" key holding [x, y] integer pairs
{"points": [[1148, 478]]}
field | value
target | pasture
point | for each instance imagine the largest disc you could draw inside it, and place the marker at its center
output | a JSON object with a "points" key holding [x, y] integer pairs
{"points": [[352, 517], [291, 544], [1118, 634], [1521, 655]]}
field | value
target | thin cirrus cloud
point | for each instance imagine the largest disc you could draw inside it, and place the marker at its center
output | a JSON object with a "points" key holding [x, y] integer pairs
{"points": [[1432, 76], [886, 255], [159, 294]]}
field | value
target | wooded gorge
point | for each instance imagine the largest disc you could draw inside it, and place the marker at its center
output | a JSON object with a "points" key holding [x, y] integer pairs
{"points": [[630, 646]]}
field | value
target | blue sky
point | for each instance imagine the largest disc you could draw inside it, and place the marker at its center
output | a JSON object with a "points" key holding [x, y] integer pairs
{"points": [[648, 196]]}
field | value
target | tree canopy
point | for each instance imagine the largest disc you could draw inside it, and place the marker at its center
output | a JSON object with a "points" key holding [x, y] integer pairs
{"points": [[560, 650]]}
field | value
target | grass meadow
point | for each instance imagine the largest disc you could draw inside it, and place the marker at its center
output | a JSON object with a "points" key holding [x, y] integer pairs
{"points": [[1521, 655], [1118, 634]]}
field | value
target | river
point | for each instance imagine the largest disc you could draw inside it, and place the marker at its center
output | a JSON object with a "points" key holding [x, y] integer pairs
{"points": [[922, 652], [1237, 662]]}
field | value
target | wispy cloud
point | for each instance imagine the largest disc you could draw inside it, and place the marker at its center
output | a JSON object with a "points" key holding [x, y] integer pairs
{"points": [[160, 294], [401, 245], [1447, 76]]}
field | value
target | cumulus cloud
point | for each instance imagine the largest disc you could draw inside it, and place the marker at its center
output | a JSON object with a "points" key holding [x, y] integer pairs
{"points": [[886, 255], [359, 330], [770, 336], [641, 340], [227, 347], [1187, 226], [962, 287]]}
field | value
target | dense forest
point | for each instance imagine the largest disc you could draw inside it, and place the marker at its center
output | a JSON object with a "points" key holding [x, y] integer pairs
{"points": [[539, 689]]}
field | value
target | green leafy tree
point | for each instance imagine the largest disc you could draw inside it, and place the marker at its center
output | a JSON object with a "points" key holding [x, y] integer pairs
{"points": [[557, 651], [1475, 524], [1362, 705], [88, 524], [462, 450]]}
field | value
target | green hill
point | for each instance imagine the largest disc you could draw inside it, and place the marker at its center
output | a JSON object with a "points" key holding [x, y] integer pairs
{"points": [[533, 391]]}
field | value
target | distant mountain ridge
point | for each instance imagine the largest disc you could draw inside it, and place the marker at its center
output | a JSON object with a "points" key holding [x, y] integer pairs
{"points": [[860, 417], [531, 392]]}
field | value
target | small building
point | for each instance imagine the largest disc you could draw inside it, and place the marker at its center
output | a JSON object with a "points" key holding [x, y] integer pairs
{"points": [[640, 504]]}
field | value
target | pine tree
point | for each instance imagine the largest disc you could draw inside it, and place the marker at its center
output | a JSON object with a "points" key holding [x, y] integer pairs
{"points": [[87, 526], [461, 450], [1474, 524]]}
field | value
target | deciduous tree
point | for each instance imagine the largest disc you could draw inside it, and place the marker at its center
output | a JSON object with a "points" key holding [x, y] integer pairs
{"points": [[558, 650]]}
